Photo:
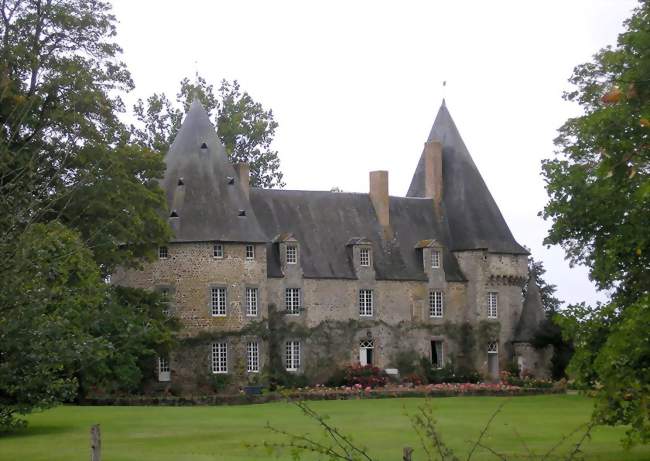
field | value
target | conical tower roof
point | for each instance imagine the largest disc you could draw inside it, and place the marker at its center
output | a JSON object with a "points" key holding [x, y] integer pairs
{"points": [[474, 218], [532, 314], [203, 192]]}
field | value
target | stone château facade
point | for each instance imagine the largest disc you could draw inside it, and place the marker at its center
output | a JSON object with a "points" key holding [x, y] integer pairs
{"points": [[303, 282]]}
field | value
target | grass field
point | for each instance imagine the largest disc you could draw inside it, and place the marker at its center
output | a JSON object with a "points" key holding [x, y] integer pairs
{"points": [[220, 433]]}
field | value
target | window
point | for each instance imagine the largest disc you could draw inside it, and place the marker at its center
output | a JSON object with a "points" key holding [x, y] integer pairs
{"points": [[219, 358], [292, 254], [250, 252], [218, 301], [365, 303], [292, 300], [366, 349], [251, 302], [492, 303], [217, 250], [164, 294], [437, 354], [252, 357], [435, 259], [163, 253], [292, 355], [493, 348], [164, 371], [435, 304], [364, 257]]}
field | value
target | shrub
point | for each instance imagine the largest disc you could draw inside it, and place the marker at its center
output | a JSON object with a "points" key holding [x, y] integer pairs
{"points": [[407, 362], [448, 374], [364, 375], [219, 382]]}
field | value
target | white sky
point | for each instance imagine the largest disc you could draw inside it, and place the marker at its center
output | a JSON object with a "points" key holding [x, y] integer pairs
{"points": [[355, 85]]}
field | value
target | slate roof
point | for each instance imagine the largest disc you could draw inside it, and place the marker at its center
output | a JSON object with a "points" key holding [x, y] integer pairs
{"points": [[324, 222], [473, 216], [532, 314], [209, 201]]}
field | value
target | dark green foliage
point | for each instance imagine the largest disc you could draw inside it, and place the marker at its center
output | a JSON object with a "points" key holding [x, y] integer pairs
{"points": [[599, 189], [245, 128], [407, 362], [450, 373], [547, 291], [219, 382]]}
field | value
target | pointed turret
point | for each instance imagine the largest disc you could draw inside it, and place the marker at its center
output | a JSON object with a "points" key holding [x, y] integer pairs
{"points": [[206, 201], [474, 218], [532, 314]]}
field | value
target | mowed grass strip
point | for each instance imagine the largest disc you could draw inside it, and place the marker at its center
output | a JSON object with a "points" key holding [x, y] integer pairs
{"points": [[221, 433]]}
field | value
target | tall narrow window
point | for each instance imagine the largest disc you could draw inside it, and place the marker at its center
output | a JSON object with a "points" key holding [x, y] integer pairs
{"points": [[219, 358], [164, 294], [435, 304], [435, 259], [292, 254], [365, 303], [164, 371], [364, 257], [250, 252], [292, 300], [437, 354], [163, 252], [251, 302], [492, 304], [292, 355], [217, 250], [252, 357], [218, 301]]}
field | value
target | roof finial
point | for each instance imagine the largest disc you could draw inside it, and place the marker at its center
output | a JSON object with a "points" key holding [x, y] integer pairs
{"points": [[444, 86]]}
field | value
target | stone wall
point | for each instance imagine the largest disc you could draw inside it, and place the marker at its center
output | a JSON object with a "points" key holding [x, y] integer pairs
{"points": [[329, 325]]}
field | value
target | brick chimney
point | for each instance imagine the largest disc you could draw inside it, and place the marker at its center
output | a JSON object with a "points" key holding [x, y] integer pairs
{"points": [[433, 171], [243, 173], [379, 196]]}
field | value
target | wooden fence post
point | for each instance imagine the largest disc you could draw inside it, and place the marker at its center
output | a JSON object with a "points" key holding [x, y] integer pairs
{"points": [[408, 451], [95, 443]]}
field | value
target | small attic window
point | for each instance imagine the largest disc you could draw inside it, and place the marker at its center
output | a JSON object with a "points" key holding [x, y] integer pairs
{"points": [[230, 180], [173, 214], [180, 182], [204, 146], [242, 213]]}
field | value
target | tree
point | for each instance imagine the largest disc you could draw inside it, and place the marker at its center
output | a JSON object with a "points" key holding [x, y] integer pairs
{"points": [[549, 332], [599, 189], [245, 128], [76, 198]]}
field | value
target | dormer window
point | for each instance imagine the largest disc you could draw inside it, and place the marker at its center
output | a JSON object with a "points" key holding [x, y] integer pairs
{"points": [[364, 257], [217, 251], [292, 254], [163, 252], [250, 252], [435, 259]]}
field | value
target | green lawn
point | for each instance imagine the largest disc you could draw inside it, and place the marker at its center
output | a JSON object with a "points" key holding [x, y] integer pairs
{"points": [[219, 433]]}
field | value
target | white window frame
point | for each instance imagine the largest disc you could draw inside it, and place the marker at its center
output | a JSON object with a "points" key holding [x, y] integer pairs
{"points": [[252, 357], [436, 304], [440, 354], [164, 369], [364, 257], [292, 300], [492, 305], [292, 355], [493, 347], [165, 294], [435, 259], [218, 301], [250, 252], [252, 299], [219, 362], [163, 252], [217, 251], [366, 302], [292, 254]]}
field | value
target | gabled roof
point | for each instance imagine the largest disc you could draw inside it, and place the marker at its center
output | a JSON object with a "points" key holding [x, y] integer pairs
{"points": [[202, 187], [474, 218], [532, 314], [324, 222]]}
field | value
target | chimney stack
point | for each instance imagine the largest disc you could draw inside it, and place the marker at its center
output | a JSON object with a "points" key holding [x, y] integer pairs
{"points": [[379, 196], [243, 172], [433, 171]]}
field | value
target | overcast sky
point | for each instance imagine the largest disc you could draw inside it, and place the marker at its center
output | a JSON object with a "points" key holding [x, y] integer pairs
{"points": [[355, 85]]}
